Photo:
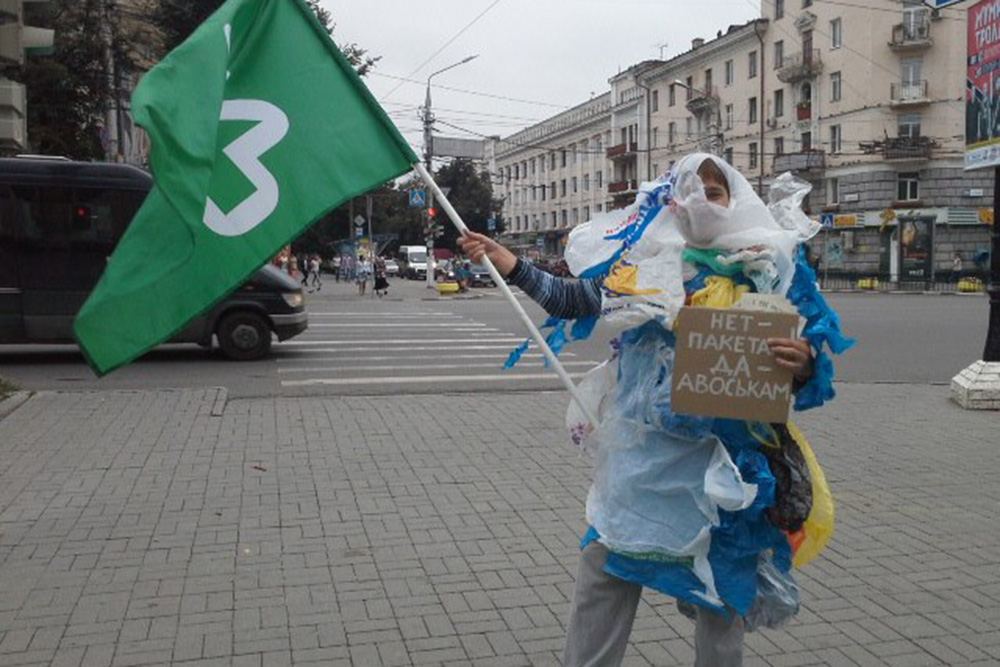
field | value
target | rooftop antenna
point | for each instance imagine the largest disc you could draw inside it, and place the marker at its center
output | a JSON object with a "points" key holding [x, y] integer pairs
{"points": [[661, 47]]}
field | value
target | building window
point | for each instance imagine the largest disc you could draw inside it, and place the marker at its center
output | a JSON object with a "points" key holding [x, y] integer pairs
{"points": [[833, 191], [564, 217], [600, 179], [656, 100], [729, 155], [563, 153], [656, 169], [753, 110], [562, 188], [544, 192], [576, 216], [909, 125], [729, 72], [836, 87], [753, 155], [656, 137], [836, 33], [575, 189], [779, 145], [552, 162], [689, 87], [909, 186], [779, 54], [807, 3], [729, 116], [599, 208], [752, 65], [586, 182], [552, 190], [572, 154], [779, 9], [672, 133], [689, 123], [586, 213], [835, 139], [672, 95], [555, 222], [779, 103]]}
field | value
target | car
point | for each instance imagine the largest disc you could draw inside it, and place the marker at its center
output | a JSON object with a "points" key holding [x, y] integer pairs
{"points": [[60, 222], [480, 276], [391, 267]]}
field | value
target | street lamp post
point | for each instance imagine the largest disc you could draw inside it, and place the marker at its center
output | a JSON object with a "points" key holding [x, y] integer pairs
{"points": [[428, 157]]}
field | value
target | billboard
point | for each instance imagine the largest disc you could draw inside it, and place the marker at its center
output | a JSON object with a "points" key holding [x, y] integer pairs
{"points": [[982, 86]]}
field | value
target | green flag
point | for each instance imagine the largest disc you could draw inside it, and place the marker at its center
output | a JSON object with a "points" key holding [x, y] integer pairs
{"points": [[259, 126]]}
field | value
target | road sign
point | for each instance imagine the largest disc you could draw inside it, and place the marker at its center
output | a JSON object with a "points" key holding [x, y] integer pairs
{"points": [[826, 220], [418, 197], [491, 224], [941, 4]]}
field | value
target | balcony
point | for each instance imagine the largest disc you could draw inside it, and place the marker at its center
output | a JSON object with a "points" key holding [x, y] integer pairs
{"points": [[805, 161], [913, 35], [618, 187], [803, 111], [622, 151], [909, 94], [908, 148], [800, 66], [704, 100]]}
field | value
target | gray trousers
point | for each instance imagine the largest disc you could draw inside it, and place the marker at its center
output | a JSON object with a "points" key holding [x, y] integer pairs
{"points": [[603, 610]]}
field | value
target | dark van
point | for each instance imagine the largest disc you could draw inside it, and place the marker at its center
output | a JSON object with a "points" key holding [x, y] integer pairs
{"points": [[60, 221]]}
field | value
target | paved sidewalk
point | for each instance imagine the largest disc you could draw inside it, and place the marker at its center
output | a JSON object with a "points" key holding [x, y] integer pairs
{"points": [[137, 528]]}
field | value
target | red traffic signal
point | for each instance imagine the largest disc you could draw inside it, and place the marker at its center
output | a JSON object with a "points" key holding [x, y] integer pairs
{"points": [[432, 212]]}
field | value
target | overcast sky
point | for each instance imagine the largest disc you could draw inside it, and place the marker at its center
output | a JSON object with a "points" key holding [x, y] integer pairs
{"points": [[549, 54]]}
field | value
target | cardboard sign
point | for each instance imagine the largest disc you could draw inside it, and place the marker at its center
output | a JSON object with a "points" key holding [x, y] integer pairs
{"points": [[724, 368]]}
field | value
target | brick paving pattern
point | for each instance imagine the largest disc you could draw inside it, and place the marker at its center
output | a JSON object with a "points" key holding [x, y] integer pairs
{"points": [[137, 528]]}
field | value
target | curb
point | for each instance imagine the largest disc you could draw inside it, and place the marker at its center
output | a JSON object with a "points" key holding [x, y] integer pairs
{"points": [[13, 402], [221, 398], [901, 292]]}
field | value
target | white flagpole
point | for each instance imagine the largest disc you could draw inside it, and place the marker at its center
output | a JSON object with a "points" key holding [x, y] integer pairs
{"points": [[502, 284]]}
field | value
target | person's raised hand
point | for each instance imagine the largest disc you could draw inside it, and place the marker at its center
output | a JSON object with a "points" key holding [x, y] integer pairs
{"points": [[476, 246], [793, 354]]}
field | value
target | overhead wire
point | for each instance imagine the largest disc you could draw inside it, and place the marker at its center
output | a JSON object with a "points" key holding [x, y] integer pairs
{"points": [[445, 45]]}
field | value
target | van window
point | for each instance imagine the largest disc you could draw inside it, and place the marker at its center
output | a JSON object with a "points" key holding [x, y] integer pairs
{"points": [[65, 235], [8, 249]]}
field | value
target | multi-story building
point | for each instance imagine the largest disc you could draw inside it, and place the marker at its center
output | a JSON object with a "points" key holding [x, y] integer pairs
{"points": [[865, 103], [554, 175]]}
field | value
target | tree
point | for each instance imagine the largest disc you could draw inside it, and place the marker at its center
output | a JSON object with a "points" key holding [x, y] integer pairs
{"points": [[177, 20], [69, 90], [471, 194]]}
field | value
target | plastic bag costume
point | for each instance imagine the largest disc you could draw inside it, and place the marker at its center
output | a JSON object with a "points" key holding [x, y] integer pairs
{"points": [[682, 502]]}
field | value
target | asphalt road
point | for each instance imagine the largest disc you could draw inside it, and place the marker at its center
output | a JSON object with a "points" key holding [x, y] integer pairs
{"points": [[415, 342]]}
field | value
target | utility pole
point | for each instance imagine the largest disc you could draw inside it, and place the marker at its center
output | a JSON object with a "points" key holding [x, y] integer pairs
{"points": [[428, 119], [111, 124], [649, 148]]}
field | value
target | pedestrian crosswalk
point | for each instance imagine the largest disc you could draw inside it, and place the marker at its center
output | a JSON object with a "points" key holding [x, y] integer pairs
{"points": [[394, 349]]}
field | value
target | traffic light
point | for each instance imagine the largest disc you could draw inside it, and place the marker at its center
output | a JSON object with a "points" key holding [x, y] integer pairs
{"points": [[433, 229], [17, 41]]}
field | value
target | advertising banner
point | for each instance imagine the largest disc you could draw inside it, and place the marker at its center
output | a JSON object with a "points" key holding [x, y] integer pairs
{"points": [[982, 87], [916, 254]]}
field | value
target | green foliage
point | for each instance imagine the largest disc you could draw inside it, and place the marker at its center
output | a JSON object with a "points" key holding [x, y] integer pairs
{"points": [[68, 91], [177, 20], [6, 389], [472, 196]]}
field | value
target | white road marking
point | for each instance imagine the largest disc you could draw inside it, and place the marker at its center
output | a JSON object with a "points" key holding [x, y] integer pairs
{"points": [[509, 338], [438, 348], [406, 314], [494, 365], [311, 359], [375, 325], [426, 379]]}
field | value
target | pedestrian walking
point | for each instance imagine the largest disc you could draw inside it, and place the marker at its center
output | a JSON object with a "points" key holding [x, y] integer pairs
{"points": [[381, 280], [314, 271], [362, 270], [956, 267], [705, 238]]}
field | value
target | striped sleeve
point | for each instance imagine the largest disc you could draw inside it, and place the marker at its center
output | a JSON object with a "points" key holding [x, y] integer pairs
{"points": [[560, 297]]}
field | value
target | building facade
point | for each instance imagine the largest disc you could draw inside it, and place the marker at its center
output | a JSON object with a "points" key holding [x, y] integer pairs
{"points": [[864, 103]]}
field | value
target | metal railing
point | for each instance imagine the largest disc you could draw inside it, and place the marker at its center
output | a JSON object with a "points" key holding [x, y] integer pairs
{"points": [[964, 282], [909, 92], [797, 66], [801, 161], [916, 32]]}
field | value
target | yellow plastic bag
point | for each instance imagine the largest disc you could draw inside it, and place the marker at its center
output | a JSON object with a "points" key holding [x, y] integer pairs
{"points": [[718, 292], [818, 528]]}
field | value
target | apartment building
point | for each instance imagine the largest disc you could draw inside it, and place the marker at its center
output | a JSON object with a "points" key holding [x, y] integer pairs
{"points": [[865, 103], [553, 175]]}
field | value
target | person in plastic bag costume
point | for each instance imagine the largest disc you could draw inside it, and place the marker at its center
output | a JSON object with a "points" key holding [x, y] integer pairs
{"points": [[687, 505]]}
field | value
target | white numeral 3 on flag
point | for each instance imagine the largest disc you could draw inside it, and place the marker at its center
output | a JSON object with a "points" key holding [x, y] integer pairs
{"points": [[245, 152]]}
